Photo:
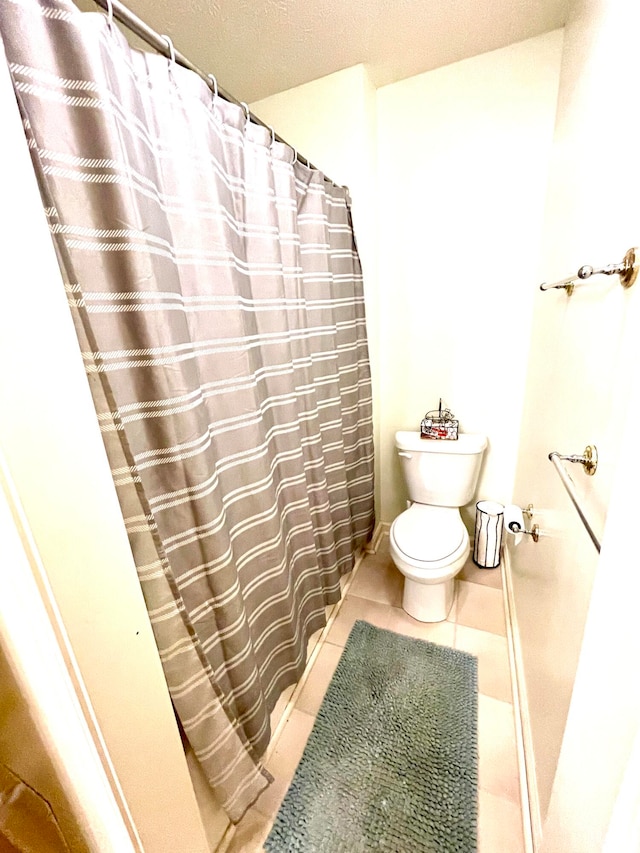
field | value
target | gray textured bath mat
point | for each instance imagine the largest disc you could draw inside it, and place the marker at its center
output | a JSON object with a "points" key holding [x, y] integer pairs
{"points": [[391, 763]]}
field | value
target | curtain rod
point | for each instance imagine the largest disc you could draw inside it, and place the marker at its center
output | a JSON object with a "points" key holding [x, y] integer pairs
{"points": [[163, 45]]}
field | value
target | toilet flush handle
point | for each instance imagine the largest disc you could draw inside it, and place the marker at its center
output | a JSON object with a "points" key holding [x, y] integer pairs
{"points": [[405, 454]]}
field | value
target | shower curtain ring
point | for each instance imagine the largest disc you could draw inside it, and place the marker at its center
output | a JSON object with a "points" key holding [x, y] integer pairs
{"points": [[273, 136], [109, 13], [295, 155], [172, 50], [215, 93], [247, 113]]}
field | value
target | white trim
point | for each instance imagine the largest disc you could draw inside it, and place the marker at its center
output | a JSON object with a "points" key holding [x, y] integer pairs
{"points": [[531, 823]]}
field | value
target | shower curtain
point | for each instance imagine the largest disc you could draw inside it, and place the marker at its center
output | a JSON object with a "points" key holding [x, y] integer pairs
{"points": [[217, 296]]}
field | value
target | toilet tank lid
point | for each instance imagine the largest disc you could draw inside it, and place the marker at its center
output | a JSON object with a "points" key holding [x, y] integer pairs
{"points": [[466, 443]]}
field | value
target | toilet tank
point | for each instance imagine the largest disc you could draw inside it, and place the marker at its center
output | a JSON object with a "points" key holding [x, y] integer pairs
{"points": [[440, 472]]}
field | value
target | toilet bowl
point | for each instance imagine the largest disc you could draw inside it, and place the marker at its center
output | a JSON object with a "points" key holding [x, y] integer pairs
{"points": [[429, 545], [429, 542]]}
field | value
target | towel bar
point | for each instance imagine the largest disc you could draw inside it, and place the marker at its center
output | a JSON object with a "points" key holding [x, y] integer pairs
{"points": [[627, 269], [589, 461]]}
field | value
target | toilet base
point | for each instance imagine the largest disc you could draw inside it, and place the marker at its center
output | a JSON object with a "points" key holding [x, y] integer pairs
{"points": [[428, 602]]}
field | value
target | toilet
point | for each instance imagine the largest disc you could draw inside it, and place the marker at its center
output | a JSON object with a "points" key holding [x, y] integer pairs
{"points": [[428, 542]]}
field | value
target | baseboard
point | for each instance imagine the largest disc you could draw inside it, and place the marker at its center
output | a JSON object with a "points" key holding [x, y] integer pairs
{"points": [[531, 823], [381, 530]]}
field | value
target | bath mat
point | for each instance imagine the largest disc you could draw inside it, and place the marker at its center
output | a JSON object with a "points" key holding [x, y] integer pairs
{"points": [[391, 762]]}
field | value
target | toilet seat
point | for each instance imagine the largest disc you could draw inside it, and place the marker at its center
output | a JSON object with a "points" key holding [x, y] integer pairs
{"points": [[420, 522], [428, 535]]}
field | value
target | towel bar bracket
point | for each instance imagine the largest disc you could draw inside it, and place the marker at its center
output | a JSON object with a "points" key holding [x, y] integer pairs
{"points": [[629, 272], [588, 460]]}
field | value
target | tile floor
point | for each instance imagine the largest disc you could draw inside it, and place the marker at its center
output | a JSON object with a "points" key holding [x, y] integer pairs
{"points": [[476, 624]]}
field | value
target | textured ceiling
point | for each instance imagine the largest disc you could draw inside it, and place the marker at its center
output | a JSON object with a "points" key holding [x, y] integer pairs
{"points": [[259, 47]]}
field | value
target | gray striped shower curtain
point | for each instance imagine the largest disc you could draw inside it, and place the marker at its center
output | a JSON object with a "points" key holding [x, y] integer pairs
{"points": [[217, 296]]}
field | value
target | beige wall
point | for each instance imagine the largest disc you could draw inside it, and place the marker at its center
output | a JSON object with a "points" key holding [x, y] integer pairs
{"points": [[55, 457], [582, 362], [463, 158], [447, 171], [595, 799]]}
